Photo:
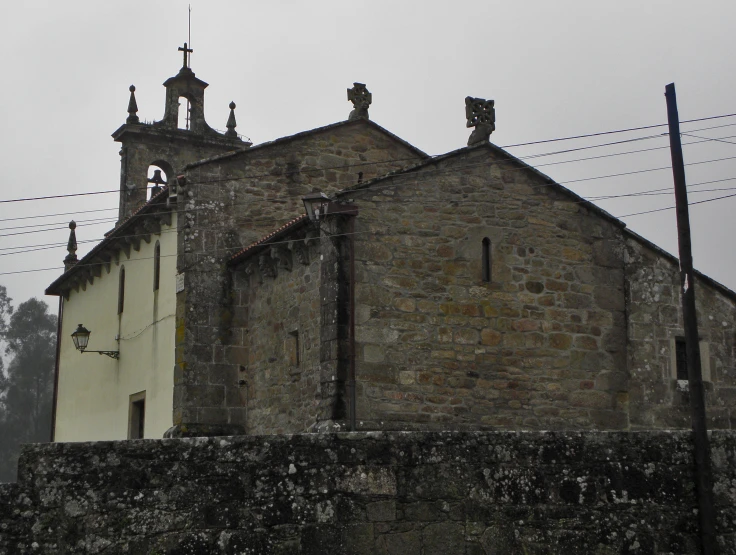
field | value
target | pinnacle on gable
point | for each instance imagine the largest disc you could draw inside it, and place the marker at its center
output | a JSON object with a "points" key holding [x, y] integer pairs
{"points": [[231, 124], [71, 247], [132, 107], [481, 114]]}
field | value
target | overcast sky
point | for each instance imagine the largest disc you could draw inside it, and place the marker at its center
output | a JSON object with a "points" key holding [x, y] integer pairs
{"points": [[555, 69]]}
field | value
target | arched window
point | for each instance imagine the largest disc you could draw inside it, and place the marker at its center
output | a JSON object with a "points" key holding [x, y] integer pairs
{"points": [[184, 113], [121, 290], [486, 260], [156, 265]]}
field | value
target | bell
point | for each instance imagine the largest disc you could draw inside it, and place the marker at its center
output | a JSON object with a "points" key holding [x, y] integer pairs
{"points": [[157, 179]]}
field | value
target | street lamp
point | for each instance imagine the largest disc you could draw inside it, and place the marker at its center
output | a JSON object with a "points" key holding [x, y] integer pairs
{"points": [[314, 204], [81, 339]]}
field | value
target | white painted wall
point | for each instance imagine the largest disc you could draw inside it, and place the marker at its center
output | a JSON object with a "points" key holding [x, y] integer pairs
{"points": [[94, 390]]}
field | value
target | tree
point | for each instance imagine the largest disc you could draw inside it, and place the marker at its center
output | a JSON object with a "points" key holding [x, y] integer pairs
{"points": [[26, 390], [5, 310]]}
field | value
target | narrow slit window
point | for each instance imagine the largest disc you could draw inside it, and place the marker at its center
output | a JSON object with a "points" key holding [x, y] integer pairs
{"points": [[121, 290], [681, 358], [486, 260], [156, 265], [292, 348], [185, 108]]}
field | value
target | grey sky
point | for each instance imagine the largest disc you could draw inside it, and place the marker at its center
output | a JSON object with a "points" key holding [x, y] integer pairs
{"points": [[554, 69]]}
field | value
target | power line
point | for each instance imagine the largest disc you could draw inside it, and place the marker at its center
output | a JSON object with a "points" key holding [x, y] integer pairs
{"points": [[407, 170], [710, 139], [284, 200], [668, 189], [613, 132], [392, 161], [57, 214], [59, 196], [671, 207], [527, 157], [206, 255], [80, 222]]}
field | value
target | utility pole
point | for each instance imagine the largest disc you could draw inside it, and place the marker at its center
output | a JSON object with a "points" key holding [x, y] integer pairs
{"points": [[703, 475]]}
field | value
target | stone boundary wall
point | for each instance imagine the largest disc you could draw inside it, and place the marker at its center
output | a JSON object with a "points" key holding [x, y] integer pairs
{"points": [[477, 493]]}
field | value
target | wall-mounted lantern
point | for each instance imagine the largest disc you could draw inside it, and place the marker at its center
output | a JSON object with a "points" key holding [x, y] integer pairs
{"points": [[314, 204], [81, 340]]}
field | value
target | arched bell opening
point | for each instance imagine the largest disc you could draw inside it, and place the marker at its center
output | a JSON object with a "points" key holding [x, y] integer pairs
{"points": [[185, 113], [158, 175]]}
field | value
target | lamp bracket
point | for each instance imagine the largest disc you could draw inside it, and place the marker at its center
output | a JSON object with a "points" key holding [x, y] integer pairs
{"points": [[111, 354]]}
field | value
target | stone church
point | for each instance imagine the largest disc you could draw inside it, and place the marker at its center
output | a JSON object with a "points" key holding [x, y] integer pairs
{"points": [[342, 279]]}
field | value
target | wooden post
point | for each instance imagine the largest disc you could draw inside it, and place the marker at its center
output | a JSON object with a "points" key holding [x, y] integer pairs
{"points": [[703, 475]]}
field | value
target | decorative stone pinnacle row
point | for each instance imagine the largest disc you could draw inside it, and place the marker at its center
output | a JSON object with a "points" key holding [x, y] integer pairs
{"points": [[132, 107], [481, 115], [361, 99]]}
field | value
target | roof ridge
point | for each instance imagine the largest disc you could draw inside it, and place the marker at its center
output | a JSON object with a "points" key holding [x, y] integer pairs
{"points": [[301, 134]]}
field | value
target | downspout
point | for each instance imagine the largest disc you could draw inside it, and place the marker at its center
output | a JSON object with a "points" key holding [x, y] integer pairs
{"points": [[351, 329], [56, 368]]}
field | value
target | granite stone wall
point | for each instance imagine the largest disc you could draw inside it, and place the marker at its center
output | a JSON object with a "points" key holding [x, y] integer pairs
{"points": [[226, 204], [653, 306], [541, 345], [276, 334], [575, 329], [398, 493]]}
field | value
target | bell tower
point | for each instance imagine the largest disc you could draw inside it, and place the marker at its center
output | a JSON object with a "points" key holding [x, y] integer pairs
{"points": [[168, 145]]}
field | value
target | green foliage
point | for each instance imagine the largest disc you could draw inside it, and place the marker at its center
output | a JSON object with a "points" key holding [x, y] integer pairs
{"points": [[26, 387]]}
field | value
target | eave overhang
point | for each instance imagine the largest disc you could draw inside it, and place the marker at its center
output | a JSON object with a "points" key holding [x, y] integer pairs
{"points": [[138, 227]]}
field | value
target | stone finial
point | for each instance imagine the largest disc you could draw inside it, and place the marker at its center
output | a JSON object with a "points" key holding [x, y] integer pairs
{"points": [[71, 247], [480, 114], [157, 181], [231, 122], [361, 99], [132, 107]]}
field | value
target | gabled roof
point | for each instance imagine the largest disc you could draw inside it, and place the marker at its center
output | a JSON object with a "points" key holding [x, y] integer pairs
{"points": [[296, 136], [266, 240], [285, 229], [110, 237], [489, 146]]}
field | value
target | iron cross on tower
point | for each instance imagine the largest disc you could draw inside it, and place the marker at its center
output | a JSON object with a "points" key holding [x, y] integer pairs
{"points": [[186, 51]]}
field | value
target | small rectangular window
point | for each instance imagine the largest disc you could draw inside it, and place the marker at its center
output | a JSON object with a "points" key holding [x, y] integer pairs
{"points": [[137, 416]]}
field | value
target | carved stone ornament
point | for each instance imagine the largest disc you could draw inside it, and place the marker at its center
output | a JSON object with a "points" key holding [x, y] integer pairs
{"points": [[267, 266], [481, 114], [301, 253], [361, 99], [252, 270], [282, 255]]}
